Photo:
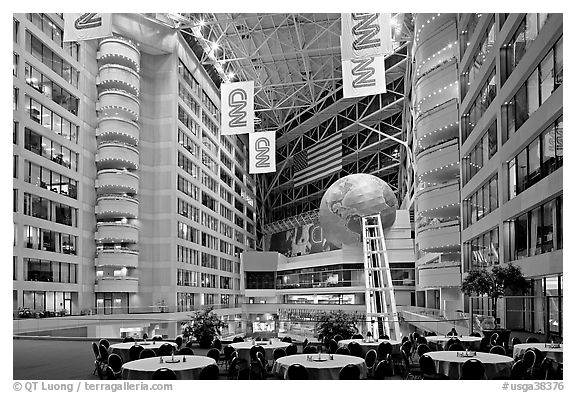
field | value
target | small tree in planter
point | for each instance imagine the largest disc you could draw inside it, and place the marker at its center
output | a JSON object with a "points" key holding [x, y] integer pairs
{"points": [[332, 323], [204, 325], [495, 282]]}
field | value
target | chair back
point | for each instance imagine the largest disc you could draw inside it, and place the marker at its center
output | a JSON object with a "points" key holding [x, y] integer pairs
{"points": [[450, 342], [472, 369], [254, 351], [456, 347], [371, 358], [310, 349], [405, 339], [494, 339], [384, 337], [213, 353], [427, 365], [357, 336], [109, 373], [532, 340], [405, 359], [355, 349], [338, 337], [147, 353], [349, 372], [407, 346], [286, 339], [384, 348], [134, 351], [104, 342], [210, 372], [278, 353], [95, 350], [164, 374], [158, 338], [237, 339], [498, 350], [343, 351], [186, 351], [422, 349], [165, 349], [383, 369], [178, 340], [421, 340], [529, 358], [519, 370], [103, 353], [217, 344], [257, 370], [129, 340], [228, 351], [332, 346], [291, 349], [115, 362], [296, 371]]}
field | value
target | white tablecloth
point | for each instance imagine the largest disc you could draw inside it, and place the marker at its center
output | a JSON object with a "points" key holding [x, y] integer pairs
{"points": [[448, 363], [122, 349], [144, 368], [467, 341], [366, 346], [243, 348], [329, 369], [556, 354]]}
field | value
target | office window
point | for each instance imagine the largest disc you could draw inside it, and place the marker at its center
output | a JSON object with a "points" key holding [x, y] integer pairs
{"points": [[482, 202], [15, 27]]}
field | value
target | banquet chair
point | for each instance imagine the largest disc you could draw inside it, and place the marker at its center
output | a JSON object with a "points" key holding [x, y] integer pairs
{"points": [[178, 341], [449, 343], [145, 336], [164, 374], [147, 353], [494, 339], [227, 352], [519, 370], [475, 334], [529, 358], [104, 342], [287, 339], [291, 349], [452, 332], [357, 336], [129, 340], [429, 369], [355, 349], [384, 348], [254, 351], [383, 369], [484, 344], [115, 363], [134, 352], [257, 369], [296, 371], [332, 346], [214, 354], [109, 373], [370, 359], [431, 334], [165, 350], [343, 351], [98, 360], [217, 344], [278, 353], [384, 337], [405, 339], [532, 340], [421, 340], [456, 347], [472, 369], [186, 351], [238, 369], [338, 337], [237, 339], [514, 341], [498, 350], [103, 354], [409, 369], [157, 338], [310, 349], [539, 355], [422, 349], [349, 372], [210, 372]]}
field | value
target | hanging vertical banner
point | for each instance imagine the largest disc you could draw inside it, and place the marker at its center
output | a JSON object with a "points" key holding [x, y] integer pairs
{"points": [[365, 35], [363, 77], [262, 152], [88, 26], [237, 101]]}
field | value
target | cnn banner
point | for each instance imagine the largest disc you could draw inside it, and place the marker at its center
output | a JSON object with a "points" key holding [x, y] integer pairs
{"points": [[365, 35], [262, 152], [88, 26], [237, 101], [363, 77]]}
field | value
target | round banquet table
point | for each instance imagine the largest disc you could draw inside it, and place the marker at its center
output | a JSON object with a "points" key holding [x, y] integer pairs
{"points": [[122, 349], [556, 354], [366, 346], [144, 368], [243, 348], [448, 363], [440, 341], [327, 369]]}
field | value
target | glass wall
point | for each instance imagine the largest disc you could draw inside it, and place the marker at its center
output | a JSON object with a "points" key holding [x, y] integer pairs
{"points": [[478, 57], [479, 105], [483, 151], [349, 275], [482, 251], [46, 209], [481, 202]]}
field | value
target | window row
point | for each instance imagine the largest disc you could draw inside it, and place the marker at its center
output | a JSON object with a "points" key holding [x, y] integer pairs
{"points": [[49, 271], [225, 160], [467, 32], [482, 251], [209, 202], [46, 209], [483, 151], [226, 230], [540, 85], [188, 255], [54, 32], [514, 50], [44, 54], [210, 241], [478, 57], [535, 232], [227, 144], [189, 100], [49, 149], [209, 222], [187, 210], [209, 261], [226, 247], [209, 162], [188, 166], [481, 202], [46, 240], [226, 213], [51, 120], [209, 123], [226, 265], [188, 188], [210, 182], [209, 144], [187, 143], [50, 180], [479, 105], [188, 121], [226, 196], [187, 232], [50, 89], [212, 108], [188, 78], [226, 178], [539, 159]]}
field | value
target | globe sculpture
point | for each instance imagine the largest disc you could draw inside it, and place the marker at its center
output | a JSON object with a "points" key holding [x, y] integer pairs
{"points": [[351, 198]]}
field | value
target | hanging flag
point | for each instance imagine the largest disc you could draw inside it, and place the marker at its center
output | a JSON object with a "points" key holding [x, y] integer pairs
{"points": [[365, 35], [237, 100], [88, 26], [363, 77], [320, 160], [262, 152]]}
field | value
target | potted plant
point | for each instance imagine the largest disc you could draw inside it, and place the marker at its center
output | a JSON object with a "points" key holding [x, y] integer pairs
{"points": [[329, 324], [204, 325], [495, 282]]}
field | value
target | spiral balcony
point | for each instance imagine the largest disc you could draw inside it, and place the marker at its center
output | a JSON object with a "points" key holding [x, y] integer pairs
{"points": [[442, 238], [439, 275], [117, 155], [110, 181], [118, 77], [438, 201], [117, 257], [116, 232], [118, 103], [116, 50], [116, 205], [116, 284], [440, 163], [112, 128]]}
